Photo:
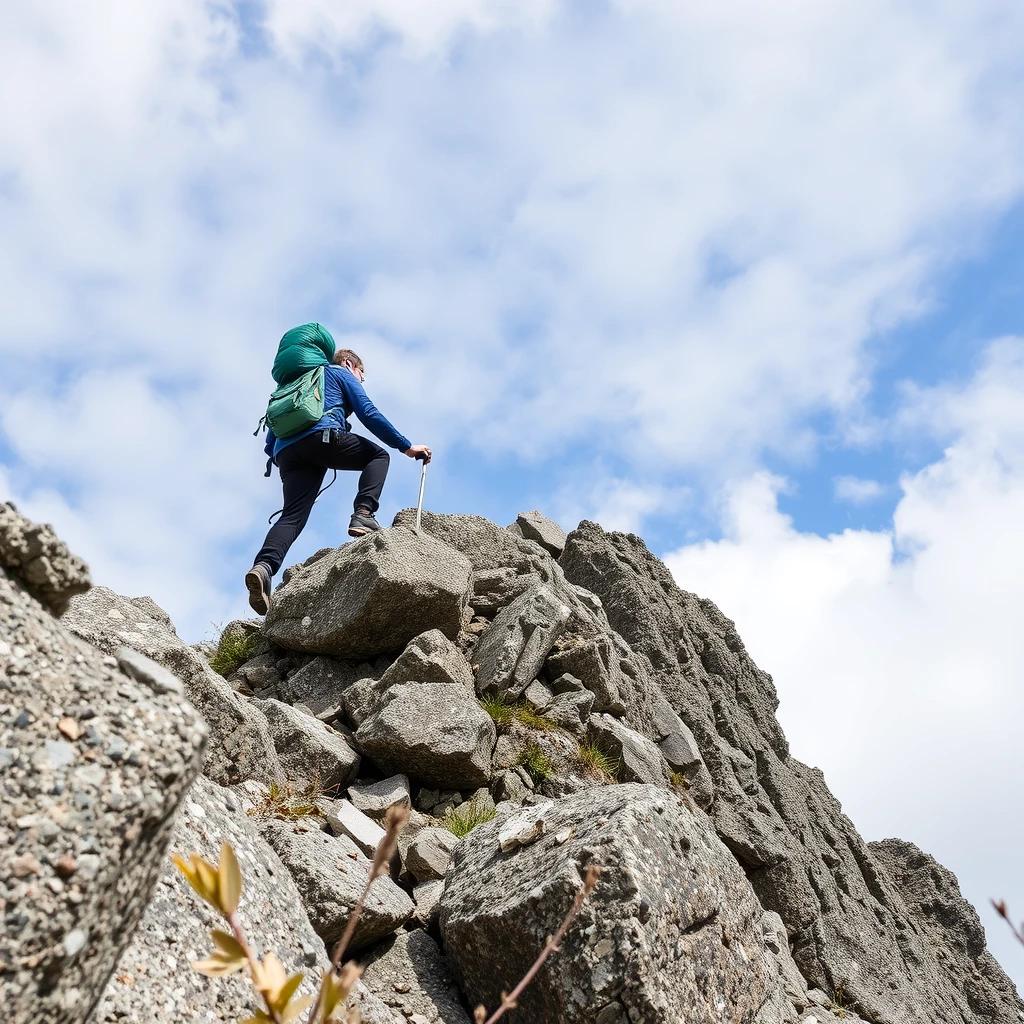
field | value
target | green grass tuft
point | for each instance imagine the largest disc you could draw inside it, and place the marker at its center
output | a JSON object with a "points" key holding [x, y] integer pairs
{"points": [[596, 762], [461, 820], [234, 648], [536, 762], [504, 710], [289, 801]]}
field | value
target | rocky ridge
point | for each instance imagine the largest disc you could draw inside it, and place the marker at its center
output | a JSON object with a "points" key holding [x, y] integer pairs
{"points": [[540, 702]]}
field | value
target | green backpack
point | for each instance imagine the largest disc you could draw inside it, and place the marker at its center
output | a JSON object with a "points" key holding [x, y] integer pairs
{"points": [[298, 405]]}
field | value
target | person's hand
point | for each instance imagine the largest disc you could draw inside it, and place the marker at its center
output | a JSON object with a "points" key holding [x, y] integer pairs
{"points": [[419, 451]]}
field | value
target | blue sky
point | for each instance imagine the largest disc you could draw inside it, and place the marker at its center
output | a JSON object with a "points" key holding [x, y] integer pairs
{"points": [[743, 278]]}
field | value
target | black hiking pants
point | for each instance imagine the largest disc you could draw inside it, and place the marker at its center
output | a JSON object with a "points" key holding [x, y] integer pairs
{"points": [[303, 465]]}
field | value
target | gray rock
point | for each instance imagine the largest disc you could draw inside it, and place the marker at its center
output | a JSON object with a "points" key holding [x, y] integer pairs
{"points": [[154, 981], [360, 700], [539, 695], [512, 651], [429, 658], [94, 766], [374, 798], [260, 674], [36, 556], [485, 544], [371, 597], [435, 733], [948, 922], [495, 588], [321, 683], [571, 711], [346, 820], [638, 758], [429, 853], [310, 752], [847, 922], [673, 931], [146, 670], [566, 683], [427, 897], [508, 785], [410, 974], [547, 534], [240, 745], [330, 872]]}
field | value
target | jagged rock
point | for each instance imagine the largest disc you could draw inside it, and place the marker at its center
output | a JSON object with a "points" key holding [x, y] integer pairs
{"points": [[410, 974], [93, 764], [566, 683], [512, 651], [321, 683], [429, 658], [847, 922], [360, 700], [146, 670], [374, 798], [429, 853], [37, 557], [259, 674], [240, 745], [485, 544], [601, 667], [570, 711], [673, 931], [949, 923], [638, 758], [153, 980], [345, 820], [508, 785], [330, 873], [539, 695], [310, 752], [371, 596], [434, 732], [495, 588], [427, 897], [547, 534]]}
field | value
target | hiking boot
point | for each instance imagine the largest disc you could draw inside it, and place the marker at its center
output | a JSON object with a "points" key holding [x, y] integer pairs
{"points": [[257, 581], [362, 523]]}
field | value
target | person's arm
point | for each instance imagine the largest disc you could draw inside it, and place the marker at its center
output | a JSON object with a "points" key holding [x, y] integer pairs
{"points": [[368, 413]]}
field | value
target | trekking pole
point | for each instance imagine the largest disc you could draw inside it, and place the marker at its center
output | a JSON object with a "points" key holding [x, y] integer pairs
{"points": [[419, 503]]}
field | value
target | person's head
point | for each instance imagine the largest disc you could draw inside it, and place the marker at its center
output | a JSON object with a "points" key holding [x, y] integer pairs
{"points": [[346, 357]]}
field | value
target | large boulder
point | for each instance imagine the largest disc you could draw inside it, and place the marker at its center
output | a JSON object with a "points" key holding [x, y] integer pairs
{"points": [[512, 650], [330, 872], [371, 596], [240, 744], [948, 922], [154, 981], [310, 751], [434, 732], [94, 764], [40, 560], [849, 926], [429, 658], [672, 932]]}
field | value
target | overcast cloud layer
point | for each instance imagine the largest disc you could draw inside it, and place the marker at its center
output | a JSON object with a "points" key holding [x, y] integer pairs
{"points": [[634, 251]]}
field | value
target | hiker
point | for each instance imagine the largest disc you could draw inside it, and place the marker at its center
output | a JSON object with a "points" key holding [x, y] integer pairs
{"points": [[303, 459]]}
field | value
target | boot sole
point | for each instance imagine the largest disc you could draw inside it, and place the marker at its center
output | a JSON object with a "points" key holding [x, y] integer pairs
{"points": [[258, 600]]}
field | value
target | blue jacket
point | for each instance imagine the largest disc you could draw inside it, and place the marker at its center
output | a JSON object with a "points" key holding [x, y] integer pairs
{"points": [[343, 396]]}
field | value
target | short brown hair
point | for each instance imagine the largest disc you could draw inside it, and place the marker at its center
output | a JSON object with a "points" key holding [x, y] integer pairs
{"points": [[346, 355]]}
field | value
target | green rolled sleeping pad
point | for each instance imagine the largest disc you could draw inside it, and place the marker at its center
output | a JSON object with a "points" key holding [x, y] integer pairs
{"points": [[301, 350]]}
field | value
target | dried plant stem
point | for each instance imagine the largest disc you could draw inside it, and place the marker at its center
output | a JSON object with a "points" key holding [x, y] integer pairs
{"points": [[394, 823], [1018, 932], [236, 929], [508, 1001]]}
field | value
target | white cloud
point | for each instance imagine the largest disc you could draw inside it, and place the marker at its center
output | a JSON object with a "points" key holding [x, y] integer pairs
{"points": [[856, 490], [898, 654], [657, 234]]}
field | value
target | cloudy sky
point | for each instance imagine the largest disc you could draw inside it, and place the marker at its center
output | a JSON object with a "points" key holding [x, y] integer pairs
{"points": [[742, 277]]}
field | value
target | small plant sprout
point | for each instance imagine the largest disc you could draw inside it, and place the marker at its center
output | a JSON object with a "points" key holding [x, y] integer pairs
{"points": [[509, 999], [234, 648], [221, 887], [536, 762], [461, 820]]}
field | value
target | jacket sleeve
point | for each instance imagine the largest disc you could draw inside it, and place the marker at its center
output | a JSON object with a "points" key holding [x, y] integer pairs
{"points": [[370, 417]]}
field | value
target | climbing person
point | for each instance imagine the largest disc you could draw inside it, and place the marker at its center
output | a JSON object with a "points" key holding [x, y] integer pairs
{"points": [[303, 458]]}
